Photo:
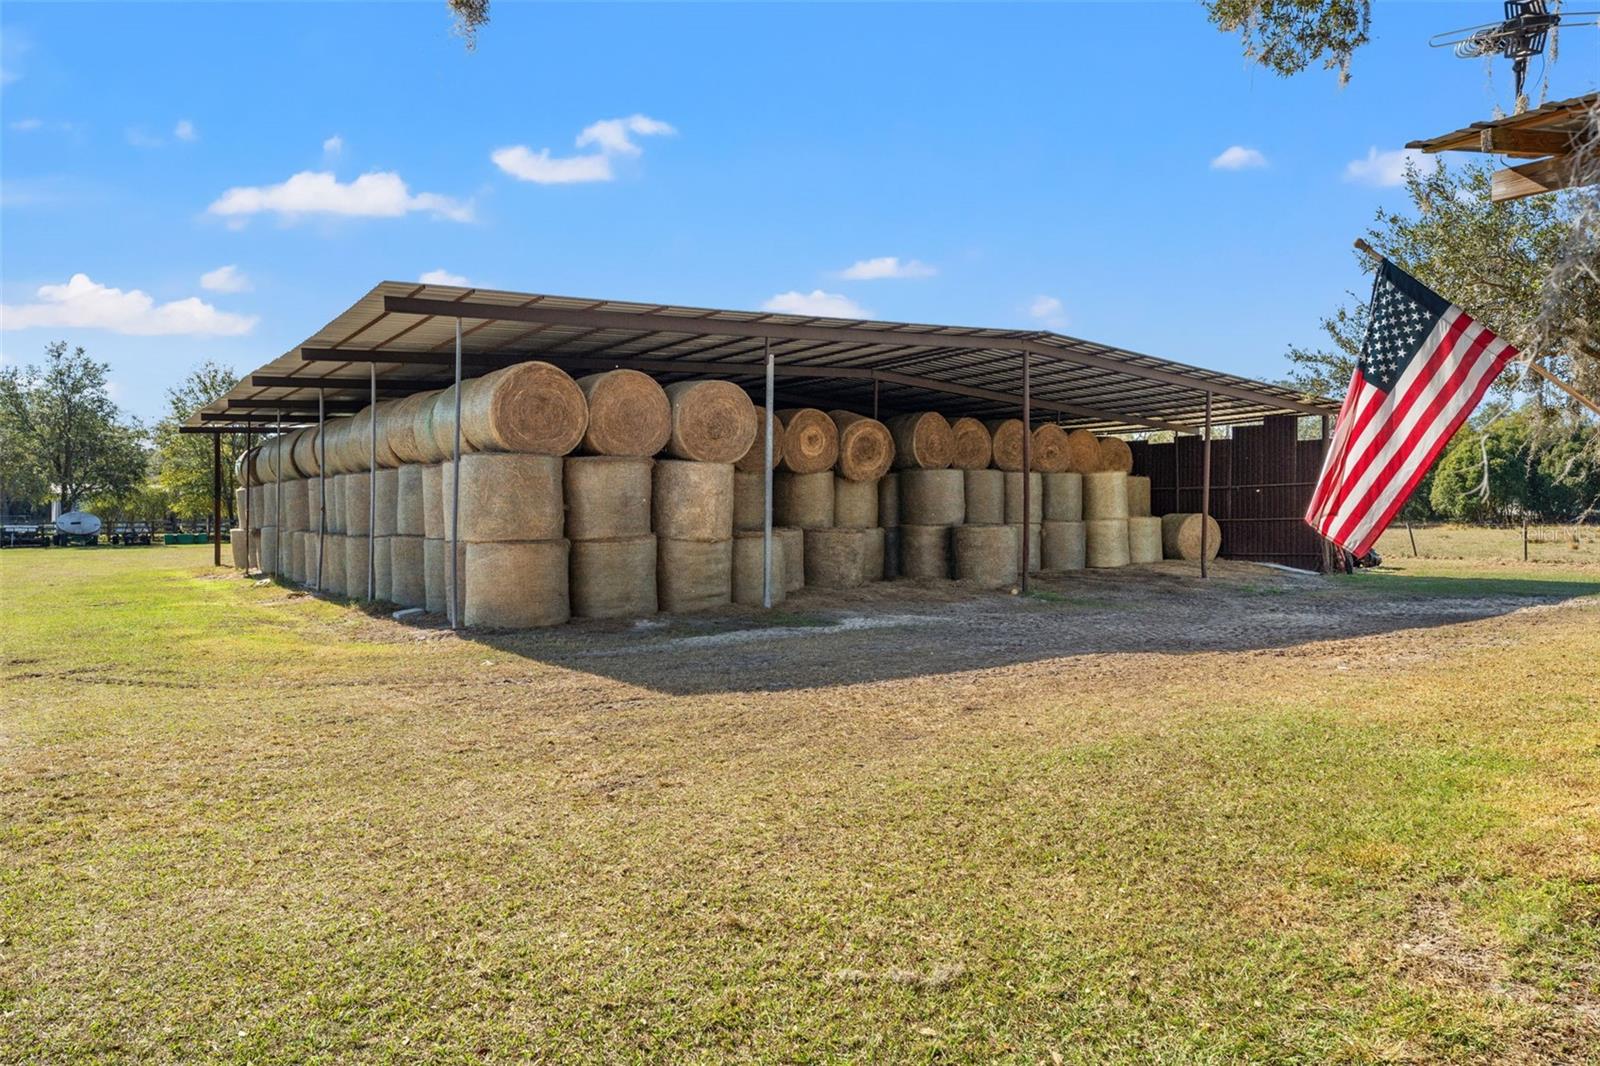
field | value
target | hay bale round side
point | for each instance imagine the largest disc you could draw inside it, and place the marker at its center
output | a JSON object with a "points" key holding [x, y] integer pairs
{"points": [[1180, 536], [387, 429], [387, 516], [693, 575], [889, 500], [409, 504], [355, 566], [1006, 434], [933, 497], [972, 448], [506, 497], [383, 569], [925, 551], [1144, 540], [748, 572], [1051, 453], [1105, 495], [517, 584], [835, 558], [335, 506], [1083, 452], [985, 555], [855, 503], [312, 487], [923, 440], [1115, 455], [352, 446], [1062, 545], [712, 421], [872, 562], [1035, 546], [296, 508], [296, 539], [357, 502], [692, 500], [436, 426], [303, 452], [749, 499], [407, 585], [753, 459], [803, 501], [985, 494], [1063, 497], [810, 441], [614, 578], [607, 496], [794, 557], [401, 429], [238, 547], [435, 579], [532, 408], [866, 449], [1106, 542], [450, 578], [433, 526], [1013, 479], [333, 556], [629, 414], [1138, 497]]}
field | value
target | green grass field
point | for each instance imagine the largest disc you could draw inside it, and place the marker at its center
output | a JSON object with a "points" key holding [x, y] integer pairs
{"points": [[240, 823], [1549, 544]]}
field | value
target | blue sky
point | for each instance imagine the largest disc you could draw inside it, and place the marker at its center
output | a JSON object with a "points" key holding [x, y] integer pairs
{"points": [[1017, 173]]}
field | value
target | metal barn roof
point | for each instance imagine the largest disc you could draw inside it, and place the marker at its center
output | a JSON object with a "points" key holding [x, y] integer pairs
{"points": [[405, 332]]}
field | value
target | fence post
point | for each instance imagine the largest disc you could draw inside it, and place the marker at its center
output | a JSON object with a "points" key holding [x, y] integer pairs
{"points": [[1412, 534], [1524, 536]]}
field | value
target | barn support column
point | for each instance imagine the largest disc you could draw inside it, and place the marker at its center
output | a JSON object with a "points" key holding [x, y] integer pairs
{"points": [[277, 495], [1205, 492], [1027, 462], [766, 494], [322, 490], [372, 480], [455, 498], [216, 499], [249, 483]]}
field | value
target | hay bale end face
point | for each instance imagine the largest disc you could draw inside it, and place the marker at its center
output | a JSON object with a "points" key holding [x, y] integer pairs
{"points": [[712, 421], [756, 456], [1115, 455], [532, 408], [629, 414], [1083, 452], [972, 448], [1051, 453], [1006, 434], [922, 441], [810, 440], [866, 449]]}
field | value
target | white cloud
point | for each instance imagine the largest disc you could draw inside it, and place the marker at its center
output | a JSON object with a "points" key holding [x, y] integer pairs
{"points": [[380, 194], [185, 131], [333, 145], [443, 277], [28, 125], [816, 303], [1238, 157], [887, 266], [611, 136], [139, 138], [1048, 309], [526, 165], [86, 304], [1387, 168], [225, 279]]}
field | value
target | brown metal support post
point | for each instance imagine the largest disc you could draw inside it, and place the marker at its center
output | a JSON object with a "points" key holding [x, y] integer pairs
{"points": [[455, 498], [1027, 462], [322, 490], [216, 499], [277, 506], [372, 485], [1205, 492], [766, 492], [249, 464], [1327, 546]]}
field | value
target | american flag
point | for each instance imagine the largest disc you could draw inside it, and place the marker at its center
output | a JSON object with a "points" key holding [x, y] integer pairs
{"points": [[1424, 366]]}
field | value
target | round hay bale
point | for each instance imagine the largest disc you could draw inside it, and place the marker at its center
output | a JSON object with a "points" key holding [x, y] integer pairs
{"points": [[269, 562], [753, 459], [933, 497], [239, 547], [923, 440], [925, 551], [383, 569], [355, 443], [1105, 495], [1014, 497], [1083, 452], [1105, 542], [408, 519], [388, 426], [506, 496], [387, 487], [835, 558], [335, 503], [433, 525], [296, 540], [889, 500], [794, 557], [749, 499], [971, 446], [1063, 497], [296, 509], [872, 561], [407, 582], [865, 447], [313, 550], [891, 553], [985, 555], [1006, 435], [1144, 540], [516, 584], [239, 504], [313, 490], [855, 503], [748, 574], [433, 561], [693, 575], [614, 578], [533, 408], [1051, 453], [1180, 536], [356, 559], [803, 501], [449, 578], [436, 421], [399, 429], [607, 496], [1115, 455], [712, 421], [333, 559], [303, 452], [1062, 545], [357, 501], [985, 492], [1035, 546], [692, 500], [1138, 497], [629, 414], [810, 440]]}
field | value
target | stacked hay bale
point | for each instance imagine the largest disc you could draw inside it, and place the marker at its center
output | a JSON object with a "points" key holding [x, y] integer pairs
{"points": [[1181, 534], [1105, 509], [802, 488], [1026, 523], [889, 522], [359, 558], [972, 448], [385, 516], [932, 494], [1061, 535], [749, 523], [513, 554], [714, 425], [866, 451], [1006, 435], [407, 562], [986, 555]]}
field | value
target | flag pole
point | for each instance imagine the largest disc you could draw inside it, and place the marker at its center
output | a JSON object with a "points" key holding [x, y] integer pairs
{"points": [[1527, 360]]}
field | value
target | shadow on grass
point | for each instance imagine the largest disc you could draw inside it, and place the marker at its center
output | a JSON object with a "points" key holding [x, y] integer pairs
{"points": [[1467, 586]]}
